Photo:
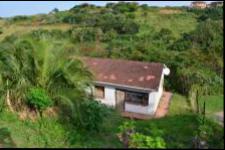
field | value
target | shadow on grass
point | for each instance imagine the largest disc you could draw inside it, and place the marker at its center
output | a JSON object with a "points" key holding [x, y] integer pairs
{"points": [[6, 139]]}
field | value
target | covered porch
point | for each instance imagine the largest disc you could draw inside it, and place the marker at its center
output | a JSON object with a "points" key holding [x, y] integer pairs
{"points": [[161, 111]]}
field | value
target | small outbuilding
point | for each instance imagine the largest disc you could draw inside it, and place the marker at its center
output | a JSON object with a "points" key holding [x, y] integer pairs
{"points": [[130, 86]]}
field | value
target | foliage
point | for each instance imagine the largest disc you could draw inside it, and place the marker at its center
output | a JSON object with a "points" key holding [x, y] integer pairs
{"points": [[122, 7], [119, 23], [134, 139], [55, 10], [28, 63], [208, 13], [190, 43], [46, 34], [19, 18], [86, 34], [93, 114], [1, 30], [38, 99], [57, 134], [127, 126], [204, 131], [142, 141]]}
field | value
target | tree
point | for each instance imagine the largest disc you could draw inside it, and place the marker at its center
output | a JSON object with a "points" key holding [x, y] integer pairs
{"points": [[122, 7], [27, 63], [1, 30], [55, 10]]}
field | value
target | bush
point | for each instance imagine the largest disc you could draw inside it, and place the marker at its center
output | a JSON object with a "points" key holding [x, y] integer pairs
{"points": [[165, 35], [108, 36], [19, 18], [119, 23], [123, 7], [86, 34], [142, 141], [47, 34], [209, 13], [39, 99], [93, 113], [1, 30], [133, 139]]}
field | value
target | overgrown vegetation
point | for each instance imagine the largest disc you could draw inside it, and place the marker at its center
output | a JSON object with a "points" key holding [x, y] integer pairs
{"points": [[38, 99], [38, 71]]}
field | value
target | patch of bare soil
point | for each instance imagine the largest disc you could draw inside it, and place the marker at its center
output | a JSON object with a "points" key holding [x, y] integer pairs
{"points": [[170, 11], [28, 114], [32, 114], [219, 116], [51, 112]]}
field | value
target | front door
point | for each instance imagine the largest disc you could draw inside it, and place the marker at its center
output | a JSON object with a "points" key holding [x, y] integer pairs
{"points": [[120, 98]]}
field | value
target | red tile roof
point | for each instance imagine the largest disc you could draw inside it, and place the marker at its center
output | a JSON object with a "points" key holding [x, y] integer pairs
{"points": [[125, 72]]}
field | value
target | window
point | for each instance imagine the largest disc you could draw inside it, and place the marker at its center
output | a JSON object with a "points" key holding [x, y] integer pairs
{"points": [[136, 98], [99, 92]]}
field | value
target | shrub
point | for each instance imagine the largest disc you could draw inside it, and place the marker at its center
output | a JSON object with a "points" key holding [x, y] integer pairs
{"points": [[165, 35], [123, 7], [39, 99], [119, 23], [93, 113], [109, 35], [142, 141], [133, 139], [86, 34], [19, 18], [127, 126], [1, 30]]}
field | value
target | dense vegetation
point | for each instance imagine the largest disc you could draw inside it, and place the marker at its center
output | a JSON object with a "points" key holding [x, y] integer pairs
{"points": [[37, 71]]}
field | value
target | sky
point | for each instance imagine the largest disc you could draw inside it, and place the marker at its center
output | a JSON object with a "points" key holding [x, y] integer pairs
{"points": [[13, 8]]}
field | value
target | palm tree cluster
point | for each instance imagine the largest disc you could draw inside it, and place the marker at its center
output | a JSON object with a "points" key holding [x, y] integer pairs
{"points": [[27, 62]]}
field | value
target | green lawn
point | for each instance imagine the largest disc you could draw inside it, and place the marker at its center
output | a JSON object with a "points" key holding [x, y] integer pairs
{"points": [[154, 21], [179, 126], [11, 29], [213, 103], [177, 129]]}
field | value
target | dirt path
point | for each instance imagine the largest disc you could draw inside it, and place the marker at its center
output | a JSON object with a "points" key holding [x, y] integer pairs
{"points": [[219, 116], [164, 103]]}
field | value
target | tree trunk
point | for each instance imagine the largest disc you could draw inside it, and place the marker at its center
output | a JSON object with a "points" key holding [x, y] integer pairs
{"points": [[8, 102]]}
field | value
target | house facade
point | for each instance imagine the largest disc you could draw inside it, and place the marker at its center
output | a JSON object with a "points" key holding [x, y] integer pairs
{"points": [[129, 86]]}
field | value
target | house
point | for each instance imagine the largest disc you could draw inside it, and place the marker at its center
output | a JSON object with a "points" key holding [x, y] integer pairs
{"points": [[216, 4], [130, 86], [199, 4]]}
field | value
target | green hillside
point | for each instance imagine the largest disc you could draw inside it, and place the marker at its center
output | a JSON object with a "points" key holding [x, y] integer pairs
{"points": [[46, 88]]}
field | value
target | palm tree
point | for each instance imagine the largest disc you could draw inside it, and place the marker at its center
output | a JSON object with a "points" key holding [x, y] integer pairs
{"points": [[26, 63]]}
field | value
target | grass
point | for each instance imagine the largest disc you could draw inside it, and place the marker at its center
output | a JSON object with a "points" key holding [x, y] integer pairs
{"points": [[179, 126], [53, 133], [177, 129], [22, 29], [31, 134], [178, 23], [213, 104]]}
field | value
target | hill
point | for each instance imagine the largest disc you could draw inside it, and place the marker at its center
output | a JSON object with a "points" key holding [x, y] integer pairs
{"points": [[36, 71]]}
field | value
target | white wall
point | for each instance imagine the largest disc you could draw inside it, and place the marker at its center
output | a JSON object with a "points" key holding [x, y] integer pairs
{"points": [[136, 108], [110, 96], [153, 100]]}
